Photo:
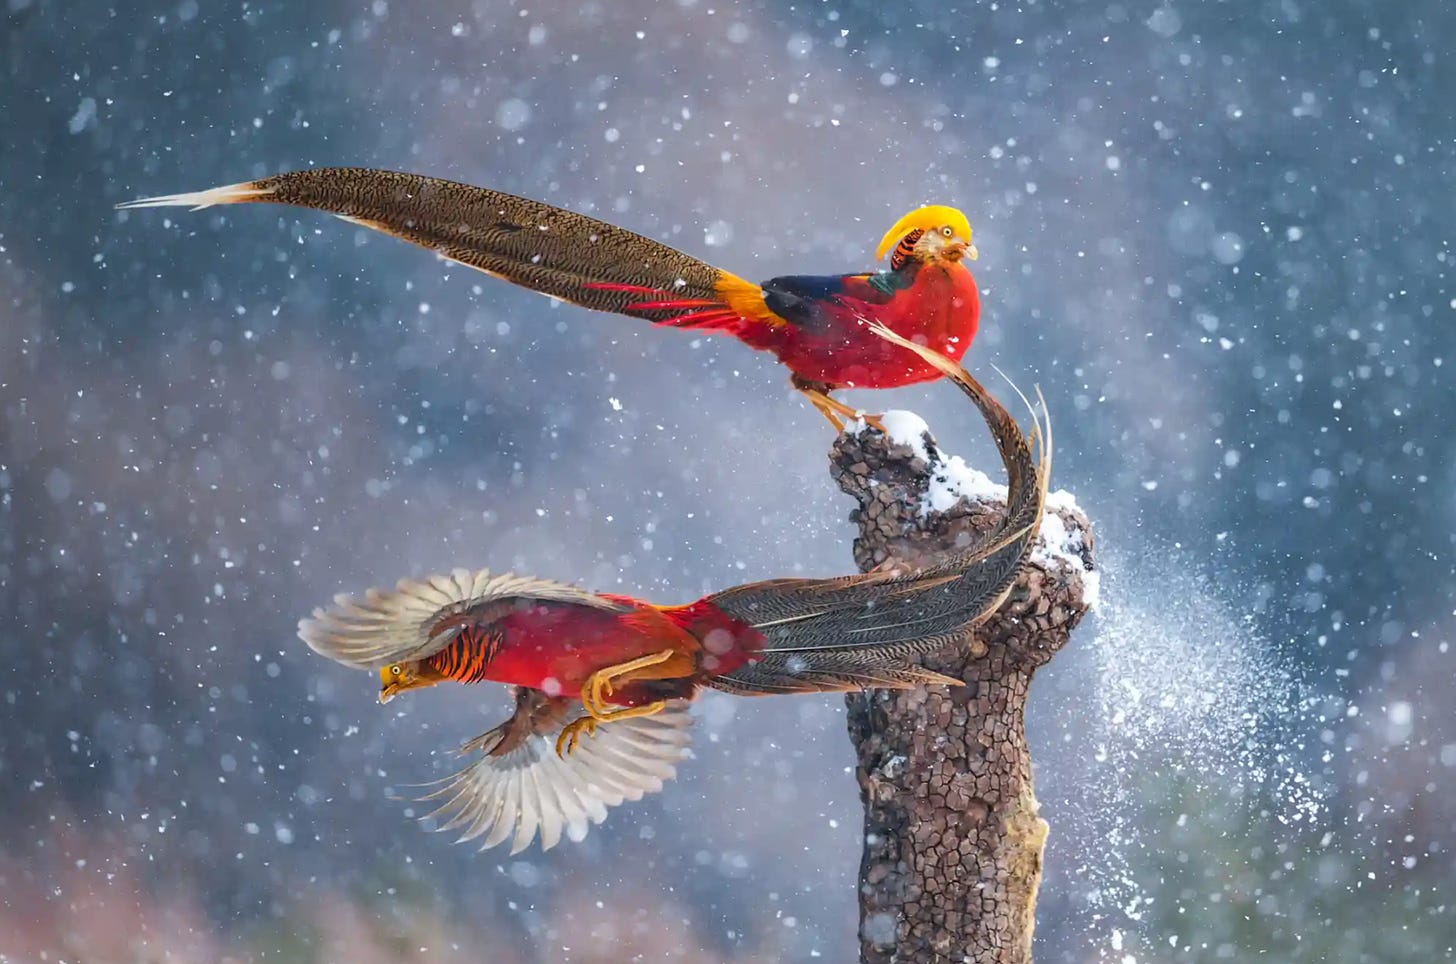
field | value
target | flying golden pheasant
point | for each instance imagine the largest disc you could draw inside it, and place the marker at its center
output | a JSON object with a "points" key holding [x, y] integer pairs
{"points": [[816, 325], [603, 680]]}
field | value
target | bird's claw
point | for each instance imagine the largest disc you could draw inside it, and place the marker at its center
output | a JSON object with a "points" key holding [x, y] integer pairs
{"points": [[593, 696], [570, 735], [839, 414], [600, 690], [598, 685], [875, 422]]}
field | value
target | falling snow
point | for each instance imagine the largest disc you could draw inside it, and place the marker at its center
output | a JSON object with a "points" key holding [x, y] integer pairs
{"points": [[1217, 244]]}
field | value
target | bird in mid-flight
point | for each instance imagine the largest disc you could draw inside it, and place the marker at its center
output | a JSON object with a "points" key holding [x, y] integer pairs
{"points": [[603, 680], [817, 325]]}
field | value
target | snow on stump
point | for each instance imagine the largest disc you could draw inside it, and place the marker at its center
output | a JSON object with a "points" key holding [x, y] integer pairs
{"points": [[953, 841]]}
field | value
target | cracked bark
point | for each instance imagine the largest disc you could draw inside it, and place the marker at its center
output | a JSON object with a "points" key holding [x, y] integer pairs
{"points": [[953, 841]]}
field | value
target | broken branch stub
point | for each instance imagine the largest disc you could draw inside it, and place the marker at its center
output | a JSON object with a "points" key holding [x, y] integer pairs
{"points": [[953, 841]]}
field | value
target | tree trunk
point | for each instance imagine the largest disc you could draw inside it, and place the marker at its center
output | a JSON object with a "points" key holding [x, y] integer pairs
{"points": [[953, 842]]}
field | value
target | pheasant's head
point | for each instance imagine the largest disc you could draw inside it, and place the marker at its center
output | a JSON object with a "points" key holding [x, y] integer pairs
{"points": [[932, 233], [398, 677]]}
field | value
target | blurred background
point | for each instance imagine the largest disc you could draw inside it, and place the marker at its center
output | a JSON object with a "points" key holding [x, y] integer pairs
{"points": [[1217, 235]]}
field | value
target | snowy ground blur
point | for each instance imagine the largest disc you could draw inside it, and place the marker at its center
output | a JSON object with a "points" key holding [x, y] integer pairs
{"points": [[1215, 234]]}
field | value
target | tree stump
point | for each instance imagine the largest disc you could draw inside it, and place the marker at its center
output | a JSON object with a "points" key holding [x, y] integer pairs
{"points": [[953, 842]]}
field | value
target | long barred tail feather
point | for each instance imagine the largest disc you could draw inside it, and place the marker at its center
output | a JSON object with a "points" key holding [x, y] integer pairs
{"points": [[547, 249]]}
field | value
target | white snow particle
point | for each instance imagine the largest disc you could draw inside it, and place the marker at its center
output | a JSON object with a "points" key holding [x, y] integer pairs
{"points": [[513, 114], [718, 234], [84, 117], [1228, 248]]}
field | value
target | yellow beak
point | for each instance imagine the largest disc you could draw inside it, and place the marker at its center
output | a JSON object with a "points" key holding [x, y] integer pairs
{"points": [[957, 249], [388, 685]]}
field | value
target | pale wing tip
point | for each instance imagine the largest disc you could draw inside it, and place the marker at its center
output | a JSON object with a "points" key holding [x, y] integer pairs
{"points": [[314, 633], [383, 626], [531, 794], [197, 200]]}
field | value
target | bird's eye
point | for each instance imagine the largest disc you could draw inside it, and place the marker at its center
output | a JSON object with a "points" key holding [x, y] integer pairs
{"points": [[947, 232], [394, 670]]}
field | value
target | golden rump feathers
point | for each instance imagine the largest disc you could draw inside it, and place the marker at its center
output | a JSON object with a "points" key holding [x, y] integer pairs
{"points": [[932, 216]]}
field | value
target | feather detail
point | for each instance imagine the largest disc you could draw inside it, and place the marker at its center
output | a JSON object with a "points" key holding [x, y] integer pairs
{"points": [[402, 625], [746, 299], [550, 250], [739, 302], [905, 250], [768, 680], [467, 659], [519, 788], [197, 200]]}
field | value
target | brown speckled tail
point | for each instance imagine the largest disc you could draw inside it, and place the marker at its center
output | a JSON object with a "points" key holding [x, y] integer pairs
{"points": [[541, 247]]}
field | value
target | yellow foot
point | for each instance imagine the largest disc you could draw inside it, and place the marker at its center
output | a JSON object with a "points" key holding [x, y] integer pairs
{"points": [[874, 422], [571, 734], [628, 712], [598, 686]]}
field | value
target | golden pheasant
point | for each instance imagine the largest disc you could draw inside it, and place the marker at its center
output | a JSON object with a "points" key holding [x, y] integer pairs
{"points": [[603, 680], [816, 325]]}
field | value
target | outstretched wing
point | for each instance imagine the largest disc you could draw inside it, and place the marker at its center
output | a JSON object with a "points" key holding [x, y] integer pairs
{"points": [[519, 787], [541, 247], [414, 620]]}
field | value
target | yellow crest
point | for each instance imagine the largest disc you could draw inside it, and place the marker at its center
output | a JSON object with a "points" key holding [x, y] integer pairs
{"points": [[930, 216]]}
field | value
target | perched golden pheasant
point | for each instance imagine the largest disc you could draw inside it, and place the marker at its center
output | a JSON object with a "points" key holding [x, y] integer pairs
{"points": [[603, 680], [817, 325]]}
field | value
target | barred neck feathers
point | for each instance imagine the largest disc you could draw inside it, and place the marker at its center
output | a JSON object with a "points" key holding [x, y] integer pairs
{"points": [[468, 658], [905, 250]]}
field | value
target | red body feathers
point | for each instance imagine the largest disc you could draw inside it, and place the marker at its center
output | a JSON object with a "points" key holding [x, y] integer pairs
{"points": [[554, 647]]}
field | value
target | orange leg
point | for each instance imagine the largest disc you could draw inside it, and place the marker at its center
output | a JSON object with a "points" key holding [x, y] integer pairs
{"points": [[599, 686], [571, 734], [836, 411]]}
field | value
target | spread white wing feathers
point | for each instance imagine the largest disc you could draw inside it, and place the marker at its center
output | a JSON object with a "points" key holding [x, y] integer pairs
{"points": [[529, 790], [389, 626]]}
